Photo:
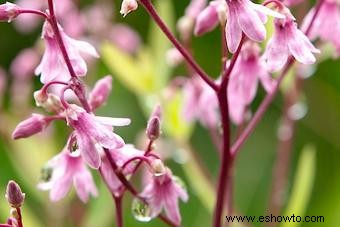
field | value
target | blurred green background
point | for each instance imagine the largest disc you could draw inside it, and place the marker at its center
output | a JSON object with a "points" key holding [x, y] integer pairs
{"points": [[139, 82]]}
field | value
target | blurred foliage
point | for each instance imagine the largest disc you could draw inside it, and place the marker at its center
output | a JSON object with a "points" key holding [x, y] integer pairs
{"points": [[314, 182]]}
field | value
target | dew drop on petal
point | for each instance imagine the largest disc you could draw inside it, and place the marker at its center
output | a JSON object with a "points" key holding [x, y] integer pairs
{"points": [[297, 111], [141, 211]]}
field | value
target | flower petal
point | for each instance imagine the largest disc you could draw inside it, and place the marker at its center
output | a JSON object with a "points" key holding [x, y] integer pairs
{"points": [[233, 30], [88, 150]]}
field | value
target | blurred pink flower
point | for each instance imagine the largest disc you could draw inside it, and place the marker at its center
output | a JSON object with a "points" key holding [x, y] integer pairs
{"points": [[94, 133], [248, 70], [208, 19], [125, 38], [288, 39], [248, 17], [53, 66], [24, 64], [8, 11], [326, 24], [163, 192], [62, 171], [200, 102]]}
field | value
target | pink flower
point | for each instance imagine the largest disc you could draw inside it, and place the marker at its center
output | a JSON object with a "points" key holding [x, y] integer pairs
{"points": [[163, 192], [52, 65], [64, 170], [249, 68], [194, 8], [327, 24], [288, 39], [128, 6], [101, 92], [33, 125], [208, 19], [120, 156], [243, 15], [94, 133], [200, 103], [8, 11]]}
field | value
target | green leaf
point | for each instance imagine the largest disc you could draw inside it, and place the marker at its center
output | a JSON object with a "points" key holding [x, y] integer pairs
{"points": [[302, 185], [137, 74]]}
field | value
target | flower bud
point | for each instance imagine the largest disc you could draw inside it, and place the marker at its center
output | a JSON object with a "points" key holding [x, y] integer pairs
{"points": [[14, 195], [8, 11], [207, 20], [100, 92], [128, 6], [185, 26], [50, 102], [153, 129], [35, 124]]}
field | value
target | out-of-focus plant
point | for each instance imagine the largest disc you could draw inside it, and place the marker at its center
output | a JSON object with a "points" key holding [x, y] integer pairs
{"points": [[174, 103]]}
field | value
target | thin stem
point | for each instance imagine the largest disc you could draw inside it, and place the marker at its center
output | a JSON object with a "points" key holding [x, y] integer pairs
{"points": [[224, 49], [54, 24], [226, 158], [261, 110], [151, 10], [140, 158], [226, 74], [33, 11], [270, 96], [119, 211], [19, 219], [46, 86]]}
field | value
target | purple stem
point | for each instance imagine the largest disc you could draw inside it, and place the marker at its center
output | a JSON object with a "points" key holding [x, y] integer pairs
{"points": [[119, 211], [33, 11], [151, 10]]}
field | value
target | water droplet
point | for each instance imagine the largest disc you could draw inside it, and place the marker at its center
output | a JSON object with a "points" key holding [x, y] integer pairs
{"points": [[298, 111], [141, 211]]}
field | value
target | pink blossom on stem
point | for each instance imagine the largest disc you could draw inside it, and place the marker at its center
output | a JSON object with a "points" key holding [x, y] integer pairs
{"points": [[52, 65], [248, 70], [93, 133], [8, 11], [248, 17], [163, 192], [33, 125], [120, 156], [288, 39], [326, 24], [62, 171], [101, 92], [200, 103], [208, 19]]}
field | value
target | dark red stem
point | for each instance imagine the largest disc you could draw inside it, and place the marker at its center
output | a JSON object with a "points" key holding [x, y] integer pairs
{"points": [[20, 224], [119, 211]]}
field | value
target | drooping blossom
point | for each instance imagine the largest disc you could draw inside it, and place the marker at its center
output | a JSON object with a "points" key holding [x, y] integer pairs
{"points": [[120, 156], [288, 39], [94, 133], [163, 192], [62, 171], [327, 23], [200, 102], [248, 70], [14, 195], [248, 17], [52, 65]]}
